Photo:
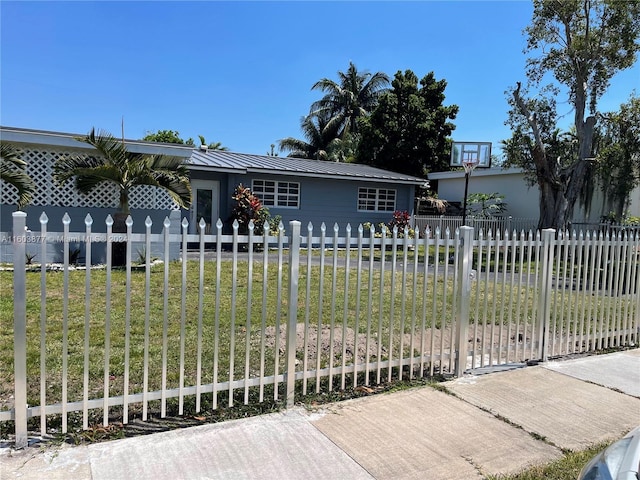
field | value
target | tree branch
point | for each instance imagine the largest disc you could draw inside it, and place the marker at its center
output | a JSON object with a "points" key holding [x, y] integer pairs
{"points": [[531, 120]]}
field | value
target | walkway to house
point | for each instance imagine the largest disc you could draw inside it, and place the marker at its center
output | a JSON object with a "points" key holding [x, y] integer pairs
{"points": [[499, 422]]}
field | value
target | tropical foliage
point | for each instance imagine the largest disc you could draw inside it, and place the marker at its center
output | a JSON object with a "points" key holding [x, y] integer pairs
{"points": [[331, 128], [248, 208], [485, 205], [116, 165], [167, 136], [320, 136], [409, 131], [401, 220], [359, 119], [212, 145], [13, 172], [582, 44], [171, 136], [353, 96], [618, 154]]}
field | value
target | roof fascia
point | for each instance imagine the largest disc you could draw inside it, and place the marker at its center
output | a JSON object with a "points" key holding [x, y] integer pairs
{"points": [[34, 137], [476, 173]]}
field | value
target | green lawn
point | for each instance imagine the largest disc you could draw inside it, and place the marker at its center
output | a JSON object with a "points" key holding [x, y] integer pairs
{"points": [[232, 321], [503, 302], [566, 468]]}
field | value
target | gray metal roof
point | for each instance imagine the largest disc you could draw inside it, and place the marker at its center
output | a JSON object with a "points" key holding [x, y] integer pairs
{"points": [[222, 161]]}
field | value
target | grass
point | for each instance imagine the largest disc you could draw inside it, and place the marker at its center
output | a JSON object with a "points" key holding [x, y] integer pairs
{"points": [[234, 321], [566, 468]]}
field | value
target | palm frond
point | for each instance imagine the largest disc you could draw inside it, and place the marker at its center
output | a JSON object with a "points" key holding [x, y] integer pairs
{"points": [[12, 171], [169, 173], [108, 146], [86, 179], [355, 95], [69, 166], [115, 164], [218, 146], [9, 155], [295, 148], [21, 182]]}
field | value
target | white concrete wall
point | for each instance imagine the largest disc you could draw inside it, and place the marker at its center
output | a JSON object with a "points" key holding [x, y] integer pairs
{"points": [[522, 200], [599, 207]]}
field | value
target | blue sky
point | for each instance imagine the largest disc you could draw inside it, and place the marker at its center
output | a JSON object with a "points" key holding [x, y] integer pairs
{"points": [[241, 72]]}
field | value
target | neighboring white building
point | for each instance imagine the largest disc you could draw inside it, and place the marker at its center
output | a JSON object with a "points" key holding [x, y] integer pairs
{"points": [[523, 201]]}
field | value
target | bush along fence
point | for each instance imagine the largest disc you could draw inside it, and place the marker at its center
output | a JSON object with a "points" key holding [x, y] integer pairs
{"points": [[255, 317]]}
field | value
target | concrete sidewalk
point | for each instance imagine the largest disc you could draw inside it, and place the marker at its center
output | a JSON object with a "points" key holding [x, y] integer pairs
{"points": [[468, 428]]}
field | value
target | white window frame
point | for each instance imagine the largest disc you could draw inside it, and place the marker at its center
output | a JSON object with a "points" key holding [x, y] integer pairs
{"points": [[278, 194], [379, 204]]}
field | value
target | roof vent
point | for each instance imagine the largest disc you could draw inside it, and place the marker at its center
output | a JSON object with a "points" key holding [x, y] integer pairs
{"points": [[203, 148]]}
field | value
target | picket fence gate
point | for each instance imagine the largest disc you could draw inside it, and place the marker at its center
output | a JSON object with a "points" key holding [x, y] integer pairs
{"points": [[255, 314]]}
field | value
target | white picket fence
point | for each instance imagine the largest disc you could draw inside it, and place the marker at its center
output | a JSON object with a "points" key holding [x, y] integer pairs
{"points": [[308, 310], [508, 223]]}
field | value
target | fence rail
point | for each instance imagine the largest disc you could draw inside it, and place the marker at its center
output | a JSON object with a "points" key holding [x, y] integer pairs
{"points": [[264, 316], [422, 222]]}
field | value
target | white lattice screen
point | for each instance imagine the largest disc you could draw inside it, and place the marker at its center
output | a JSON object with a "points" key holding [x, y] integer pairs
{"points": [[40, 169]]}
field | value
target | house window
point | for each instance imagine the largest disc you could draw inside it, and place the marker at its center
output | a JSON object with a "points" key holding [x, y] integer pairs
{"points": [[277, 194], [376, 199]]}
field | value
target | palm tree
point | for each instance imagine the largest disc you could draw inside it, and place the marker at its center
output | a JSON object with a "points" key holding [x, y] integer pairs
{"points": [[213, 145], [12, 171], [354, 95], [320, 133], [124, 169]]}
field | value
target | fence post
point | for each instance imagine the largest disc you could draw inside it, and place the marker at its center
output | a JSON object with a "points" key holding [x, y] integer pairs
{"points": [[546, 290], [20, 327], [464, 298], [292, 317]]}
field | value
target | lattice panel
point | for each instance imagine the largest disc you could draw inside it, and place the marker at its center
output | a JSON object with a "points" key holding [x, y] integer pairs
{"points": [[144, 196], [40, 169], [66, 195], [8, 193]]}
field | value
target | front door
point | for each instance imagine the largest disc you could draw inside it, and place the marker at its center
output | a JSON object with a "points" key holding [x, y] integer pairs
{"points": [[206, 196]]}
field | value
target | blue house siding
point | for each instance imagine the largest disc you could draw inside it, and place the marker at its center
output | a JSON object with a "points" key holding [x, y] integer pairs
{"points": [[77, 215], [328, 191], [77, 226], [329, 201]]}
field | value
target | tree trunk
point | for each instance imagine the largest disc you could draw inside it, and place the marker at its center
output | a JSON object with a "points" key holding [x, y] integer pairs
{"points": [[553, 206], [559, 188], [119, 249], [579, 171]]}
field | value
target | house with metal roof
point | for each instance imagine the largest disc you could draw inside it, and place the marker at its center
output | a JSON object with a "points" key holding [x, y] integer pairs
{"points": [[299, 189], [296, 189]]}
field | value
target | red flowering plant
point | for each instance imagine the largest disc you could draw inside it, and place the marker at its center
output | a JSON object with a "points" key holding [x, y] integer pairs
{"points": [[401, 219], [248, 207]]}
